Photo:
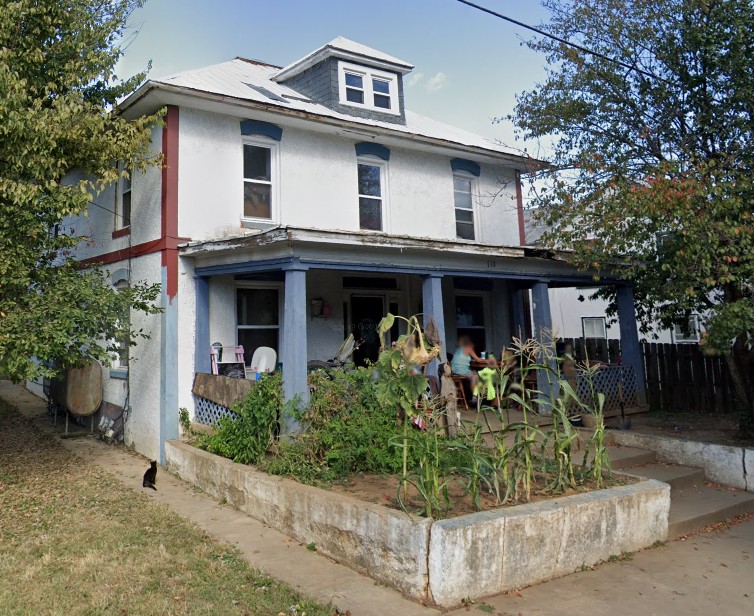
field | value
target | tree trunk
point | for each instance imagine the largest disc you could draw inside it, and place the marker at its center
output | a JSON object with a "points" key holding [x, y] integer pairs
{"points": [[741, 365]]}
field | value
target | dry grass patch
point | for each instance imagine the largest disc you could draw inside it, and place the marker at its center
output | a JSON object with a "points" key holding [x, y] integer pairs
{"points": [[74, 541]]}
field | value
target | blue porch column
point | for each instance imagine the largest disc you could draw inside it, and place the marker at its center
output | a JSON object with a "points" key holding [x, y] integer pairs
{"points": [[294, 344], [629, 339], [433, 308], [542, 317], [517, 311], [201, 327]]}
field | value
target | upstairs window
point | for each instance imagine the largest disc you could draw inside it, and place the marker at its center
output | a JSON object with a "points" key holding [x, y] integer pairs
{"points": [[368, 88], [371, 191], [123, 202], [464, 205], [354, 88], [381, 91], [258, 177]]}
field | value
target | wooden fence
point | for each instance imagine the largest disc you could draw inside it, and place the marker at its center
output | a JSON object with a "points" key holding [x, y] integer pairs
{"points": [[679, 377]]}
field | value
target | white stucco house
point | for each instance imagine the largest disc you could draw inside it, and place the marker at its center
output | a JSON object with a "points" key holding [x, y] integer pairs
{"points": [[288, 189]]}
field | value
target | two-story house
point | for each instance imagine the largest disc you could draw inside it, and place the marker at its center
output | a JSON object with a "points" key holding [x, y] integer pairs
{"points": [[299, 204]]}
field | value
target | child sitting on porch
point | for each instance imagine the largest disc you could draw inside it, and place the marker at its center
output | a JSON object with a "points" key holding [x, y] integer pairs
{"points": [[485, 387]]}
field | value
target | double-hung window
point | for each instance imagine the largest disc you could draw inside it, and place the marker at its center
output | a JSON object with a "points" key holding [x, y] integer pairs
{"points": [[354, 87], [258, 318], [381, 93], [258, 180], [594, 327], [463, 191], [688, 334], [122, 341], [371, 195], [123, 202], [368, 88]]}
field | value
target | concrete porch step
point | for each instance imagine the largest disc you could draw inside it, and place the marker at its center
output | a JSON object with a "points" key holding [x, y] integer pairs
{"points": [[622, 458], [676, 475], [697, 505]]}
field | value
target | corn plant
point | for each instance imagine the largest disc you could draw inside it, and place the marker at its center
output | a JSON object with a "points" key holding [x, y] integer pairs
{"points": [[600, 466], [428, 479], [401, 382]]}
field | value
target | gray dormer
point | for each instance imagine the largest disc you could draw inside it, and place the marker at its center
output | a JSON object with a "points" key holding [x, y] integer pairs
{"points": [[351, 78]]}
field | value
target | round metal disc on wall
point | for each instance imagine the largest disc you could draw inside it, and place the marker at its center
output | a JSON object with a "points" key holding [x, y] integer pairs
{"points": [[84, 389]]}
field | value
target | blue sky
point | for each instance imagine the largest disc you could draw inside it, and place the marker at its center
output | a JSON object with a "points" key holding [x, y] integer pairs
{"points": [[469, 65]]}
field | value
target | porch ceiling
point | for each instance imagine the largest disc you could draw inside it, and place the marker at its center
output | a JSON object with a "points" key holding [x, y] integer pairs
{"points": [[300, 248]]}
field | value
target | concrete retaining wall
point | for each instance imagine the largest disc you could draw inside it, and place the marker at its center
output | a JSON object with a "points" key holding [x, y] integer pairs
{"points": [[442, 561], [383, 543], [732, 466], [493, 551]]}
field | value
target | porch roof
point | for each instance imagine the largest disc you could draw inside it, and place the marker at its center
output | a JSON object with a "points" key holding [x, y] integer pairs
{"points": [[283, 248]]}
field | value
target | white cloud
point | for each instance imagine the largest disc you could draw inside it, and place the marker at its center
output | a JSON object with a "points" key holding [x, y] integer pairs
{"points": [[437, 82], [414, 79]]}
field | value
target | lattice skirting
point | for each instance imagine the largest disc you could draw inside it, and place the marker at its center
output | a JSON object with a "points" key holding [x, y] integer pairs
{"points": [[610, 380], [209, 413]]}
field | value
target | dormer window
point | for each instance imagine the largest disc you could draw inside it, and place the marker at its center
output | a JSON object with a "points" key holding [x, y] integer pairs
{"points": [[368, 88], [354, 88]]}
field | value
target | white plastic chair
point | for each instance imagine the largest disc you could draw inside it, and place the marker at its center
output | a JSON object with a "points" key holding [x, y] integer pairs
{"points": [[263, 360]]}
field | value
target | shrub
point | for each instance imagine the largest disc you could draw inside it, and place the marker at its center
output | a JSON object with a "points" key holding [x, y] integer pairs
{"points": [[247, 437], [346, 429]]}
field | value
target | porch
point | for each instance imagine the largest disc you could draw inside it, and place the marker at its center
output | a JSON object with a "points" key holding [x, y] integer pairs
{"points": [[301, 292]]}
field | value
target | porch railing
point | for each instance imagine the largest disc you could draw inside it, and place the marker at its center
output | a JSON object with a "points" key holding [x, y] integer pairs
{"points": [[616, 382]]}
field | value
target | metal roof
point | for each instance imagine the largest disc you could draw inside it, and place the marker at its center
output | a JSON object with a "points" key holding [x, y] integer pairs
{"points": [[252, 81]]}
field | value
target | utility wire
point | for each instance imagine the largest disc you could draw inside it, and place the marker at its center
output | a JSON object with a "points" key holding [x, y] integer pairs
{"points": [[626, 65], [102, 207]]}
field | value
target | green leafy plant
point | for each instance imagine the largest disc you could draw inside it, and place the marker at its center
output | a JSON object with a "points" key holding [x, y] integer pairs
{"points": [[246, 437], [184, 421], [401, 382]]}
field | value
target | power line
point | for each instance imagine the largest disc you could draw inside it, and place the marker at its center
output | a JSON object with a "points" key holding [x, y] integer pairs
{"points": [[626, 65], [102, 207]]}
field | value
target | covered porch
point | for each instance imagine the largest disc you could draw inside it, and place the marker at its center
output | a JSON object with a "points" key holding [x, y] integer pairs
{"points": [[302, 291]]}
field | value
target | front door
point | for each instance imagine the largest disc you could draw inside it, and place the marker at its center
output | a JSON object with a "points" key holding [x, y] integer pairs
{"points": [[366, 313]]}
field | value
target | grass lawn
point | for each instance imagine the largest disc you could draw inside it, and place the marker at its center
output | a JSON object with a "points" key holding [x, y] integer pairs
{"points": [[73, 540]]}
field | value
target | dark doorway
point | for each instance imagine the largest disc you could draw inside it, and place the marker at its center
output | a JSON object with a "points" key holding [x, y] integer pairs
{"points": [[366, 313]]}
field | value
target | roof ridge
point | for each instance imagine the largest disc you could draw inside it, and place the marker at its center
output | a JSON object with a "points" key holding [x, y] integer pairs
{"points": [[257, 62]]}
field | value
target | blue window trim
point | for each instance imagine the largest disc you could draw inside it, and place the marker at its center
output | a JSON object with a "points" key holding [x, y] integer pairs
{"points": [[367, 148], [257, 127], [469, 166]]}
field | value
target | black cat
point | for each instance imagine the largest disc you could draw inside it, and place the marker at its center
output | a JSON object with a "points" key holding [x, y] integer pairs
{"points": [[150, 477]]}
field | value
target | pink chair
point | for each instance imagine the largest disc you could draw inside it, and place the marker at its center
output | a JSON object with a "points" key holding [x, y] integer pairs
{"points": [[216, 353]]}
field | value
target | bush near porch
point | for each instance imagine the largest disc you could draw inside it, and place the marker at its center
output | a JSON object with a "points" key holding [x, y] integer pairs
{"points": [[365, 421]]}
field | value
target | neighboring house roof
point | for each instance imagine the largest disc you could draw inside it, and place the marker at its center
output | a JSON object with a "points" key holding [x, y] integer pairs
{"points": [[341, 47], [249, 80]]}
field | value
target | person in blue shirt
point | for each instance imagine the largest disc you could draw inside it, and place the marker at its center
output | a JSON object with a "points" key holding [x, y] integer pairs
{"points": [[461, 362]]}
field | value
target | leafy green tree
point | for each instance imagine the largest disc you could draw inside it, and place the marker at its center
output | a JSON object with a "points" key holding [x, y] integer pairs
{"points": [[57, 91], [652, 157]]}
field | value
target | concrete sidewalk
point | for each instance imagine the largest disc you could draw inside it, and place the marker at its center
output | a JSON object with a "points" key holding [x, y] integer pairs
{"points": [[705, 574]]}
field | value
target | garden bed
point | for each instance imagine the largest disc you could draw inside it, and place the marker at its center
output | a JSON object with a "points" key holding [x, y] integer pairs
{"points": [[440, 561], [383, 490]]}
